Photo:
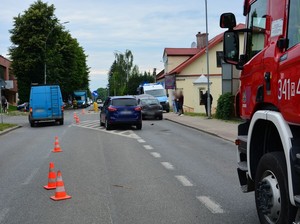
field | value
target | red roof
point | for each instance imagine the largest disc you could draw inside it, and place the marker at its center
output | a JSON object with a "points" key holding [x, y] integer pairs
{"points": [[181, 51], [197, 52]]}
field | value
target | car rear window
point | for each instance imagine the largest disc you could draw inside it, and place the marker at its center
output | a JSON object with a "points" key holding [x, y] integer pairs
{"points": [[149, 101], [124, 102]]}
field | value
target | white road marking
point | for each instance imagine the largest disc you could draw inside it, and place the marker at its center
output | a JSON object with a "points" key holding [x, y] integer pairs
{"points": [[185, 182], [3, 213], [168, 165], [148, 147], [30, 177], [210, 204], [141, 140], [155, 154]]}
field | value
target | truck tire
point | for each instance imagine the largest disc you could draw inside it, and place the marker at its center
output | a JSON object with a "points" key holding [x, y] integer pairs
{"points": [[271, 190]]}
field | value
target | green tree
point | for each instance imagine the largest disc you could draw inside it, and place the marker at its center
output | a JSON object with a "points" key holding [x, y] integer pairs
{"points": [[37, 38], [102, 93], [124, 77]]}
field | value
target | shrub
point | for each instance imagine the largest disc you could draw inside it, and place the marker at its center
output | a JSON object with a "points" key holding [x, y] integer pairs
{"points": [[225, 106]]}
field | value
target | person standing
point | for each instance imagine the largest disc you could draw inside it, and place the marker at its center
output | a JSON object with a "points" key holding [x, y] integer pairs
{"points": [[180, 103], [4, 104], [174, 103], [205, 101]]}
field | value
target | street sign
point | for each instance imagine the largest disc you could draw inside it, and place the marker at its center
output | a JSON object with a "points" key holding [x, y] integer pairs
{"points": [[95, 93]]}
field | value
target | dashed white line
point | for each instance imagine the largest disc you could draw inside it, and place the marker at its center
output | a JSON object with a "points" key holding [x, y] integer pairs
{"points": [[148, 147], [168, 165], [210, 204], [141, 140], [30, 177], [185, 182], [155, 154], [3, 213]]}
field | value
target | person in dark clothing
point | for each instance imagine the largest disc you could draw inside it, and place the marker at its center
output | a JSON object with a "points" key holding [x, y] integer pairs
{"points": [[180, 100], [4, 104], [205, 101]]}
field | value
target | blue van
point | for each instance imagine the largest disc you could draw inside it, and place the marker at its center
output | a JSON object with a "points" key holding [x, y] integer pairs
{"points": [[45, 104]]}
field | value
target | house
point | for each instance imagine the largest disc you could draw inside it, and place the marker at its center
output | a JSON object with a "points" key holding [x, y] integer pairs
{"points": [[185, 69], [10, 89]]}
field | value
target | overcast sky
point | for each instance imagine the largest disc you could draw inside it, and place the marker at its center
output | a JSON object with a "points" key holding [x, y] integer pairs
{"points": [[145, 27]]}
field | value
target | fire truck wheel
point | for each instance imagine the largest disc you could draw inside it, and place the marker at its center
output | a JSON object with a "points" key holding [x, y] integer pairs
{"points": [[271, 190]]}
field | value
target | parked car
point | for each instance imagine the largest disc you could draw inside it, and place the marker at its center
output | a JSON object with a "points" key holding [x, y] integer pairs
{"points": [[23, 107], [119, 110], [150, 105]]}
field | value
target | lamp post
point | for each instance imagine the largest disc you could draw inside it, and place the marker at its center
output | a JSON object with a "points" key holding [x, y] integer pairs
{"points": [[45, 64], [207, 64]]}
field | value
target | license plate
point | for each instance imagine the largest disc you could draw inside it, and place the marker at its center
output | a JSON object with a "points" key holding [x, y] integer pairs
{"points": [[126, 112]]}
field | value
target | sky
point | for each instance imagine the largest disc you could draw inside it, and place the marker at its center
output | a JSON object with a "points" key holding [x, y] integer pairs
{"points": [[146, 27]]}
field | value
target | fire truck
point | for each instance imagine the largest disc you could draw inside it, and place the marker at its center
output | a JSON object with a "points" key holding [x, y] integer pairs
{"points": [[268, 100]]}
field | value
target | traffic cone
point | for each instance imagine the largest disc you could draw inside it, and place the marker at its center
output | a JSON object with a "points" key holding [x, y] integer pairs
{"points": [[77, 120], [75, 115], [82, 111], [60, 192], [51, 178], [56, 146]]}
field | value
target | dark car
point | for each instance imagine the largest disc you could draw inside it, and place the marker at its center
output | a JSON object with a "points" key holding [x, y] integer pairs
{"points": [[121, 110], [150, 106]]}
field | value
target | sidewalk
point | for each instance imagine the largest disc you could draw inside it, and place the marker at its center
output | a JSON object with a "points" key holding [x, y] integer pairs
{"points": [[219, 128]]}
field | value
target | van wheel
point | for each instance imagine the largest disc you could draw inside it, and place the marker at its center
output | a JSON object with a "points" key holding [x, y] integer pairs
{"points": [[271, 190], [61, 121], [31, 123], [160, 117]]}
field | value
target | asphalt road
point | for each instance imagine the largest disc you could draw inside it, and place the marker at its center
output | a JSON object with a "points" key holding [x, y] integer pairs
{"points": [[164, 173]]}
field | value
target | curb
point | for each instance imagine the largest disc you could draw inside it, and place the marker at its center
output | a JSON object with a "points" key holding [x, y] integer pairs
{"points": [[199, 129], [9, 130]]}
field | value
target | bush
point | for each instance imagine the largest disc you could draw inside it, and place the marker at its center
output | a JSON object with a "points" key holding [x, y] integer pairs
{"points": [[225, 106]]}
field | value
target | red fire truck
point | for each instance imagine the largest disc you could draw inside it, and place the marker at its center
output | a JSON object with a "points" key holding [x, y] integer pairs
{"points": [[269, 102]]}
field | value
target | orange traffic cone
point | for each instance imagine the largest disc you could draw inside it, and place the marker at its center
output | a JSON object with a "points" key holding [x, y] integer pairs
{"points": [[82, 111], [75, 115], [56, 146], [51, 177], [77, 120], [60, 193]]}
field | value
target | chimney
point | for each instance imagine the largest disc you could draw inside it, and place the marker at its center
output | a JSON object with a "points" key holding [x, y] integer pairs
{"points": [[201, 40]]}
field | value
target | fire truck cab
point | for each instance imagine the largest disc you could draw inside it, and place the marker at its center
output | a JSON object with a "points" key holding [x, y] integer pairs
{"points": [[268, 101]]}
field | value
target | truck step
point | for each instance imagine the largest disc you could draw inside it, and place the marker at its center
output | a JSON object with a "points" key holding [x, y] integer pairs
{"points": [[243, 166]]}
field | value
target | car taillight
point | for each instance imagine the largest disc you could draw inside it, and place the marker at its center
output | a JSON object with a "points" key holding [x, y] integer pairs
{"points": [[137, 108], [112, 109], [62, 108], [30, 110]]}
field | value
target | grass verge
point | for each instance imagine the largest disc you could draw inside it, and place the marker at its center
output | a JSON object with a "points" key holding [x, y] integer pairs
{"points": [[6, 126]]}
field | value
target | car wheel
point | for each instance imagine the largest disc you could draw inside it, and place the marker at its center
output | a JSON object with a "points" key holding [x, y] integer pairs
{"points": [[160, 117], [271, 190], [107, 125], [139, 126]]}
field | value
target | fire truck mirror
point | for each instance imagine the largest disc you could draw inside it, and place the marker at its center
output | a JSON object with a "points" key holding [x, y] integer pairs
{"points": [[231, 47], [227, 20]]}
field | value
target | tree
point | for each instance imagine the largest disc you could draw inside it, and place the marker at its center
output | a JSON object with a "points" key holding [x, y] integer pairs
{"points": [[124, 77], [38, 38]]}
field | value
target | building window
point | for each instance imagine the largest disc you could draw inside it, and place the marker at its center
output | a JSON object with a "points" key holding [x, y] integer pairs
{"points": [[219, 55], [2, 72]]}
